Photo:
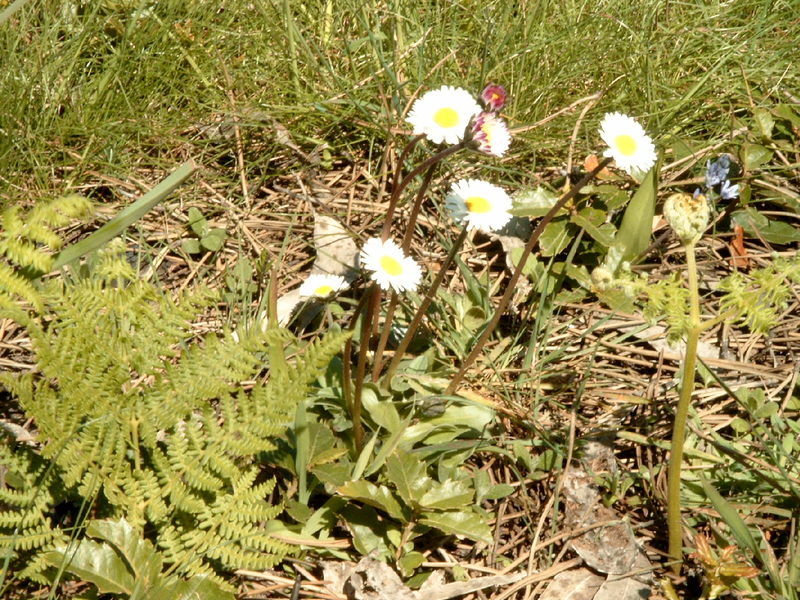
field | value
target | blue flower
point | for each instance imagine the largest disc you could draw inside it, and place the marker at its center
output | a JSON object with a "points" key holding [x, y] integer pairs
{"points": [[717, 172], [728, 191]]}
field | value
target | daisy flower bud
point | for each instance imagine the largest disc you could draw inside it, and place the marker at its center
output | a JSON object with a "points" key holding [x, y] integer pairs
{"points": [[479, 204], [628, 144], [494, 97], [390, 267], [491, 134], [322, 286], [443, 114], [688, 215]]}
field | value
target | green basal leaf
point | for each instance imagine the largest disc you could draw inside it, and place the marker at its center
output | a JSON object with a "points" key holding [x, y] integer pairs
{"points": [[458, 419], [139, 552], [318, 441], [369, 531], [407, 474], [587, 219], [764, 121], [636, 227], [377, 496], [198, 587], [381, 410], [409, 562], [555, 237], [473, 318], [197, 222], [464, 523], [755, 155], [500, 490], [335, 474], [757, 225], [533, 269], [96, 563], [787, 112], [448, 494], [214, 240], [191, 246], [534, 203]]}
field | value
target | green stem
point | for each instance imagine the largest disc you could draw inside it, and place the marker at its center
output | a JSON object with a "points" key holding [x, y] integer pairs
{"points": [[512, 283], [681, 414]]}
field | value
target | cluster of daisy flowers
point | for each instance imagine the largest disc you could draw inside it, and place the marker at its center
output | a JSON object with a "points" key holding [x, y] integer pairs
{"points": [[452, 115]]}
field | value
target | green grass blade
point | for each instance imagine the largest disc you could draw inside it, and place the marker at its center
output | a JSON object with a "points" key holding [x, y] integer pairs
{"points": [[126, 216], [731, 517]]}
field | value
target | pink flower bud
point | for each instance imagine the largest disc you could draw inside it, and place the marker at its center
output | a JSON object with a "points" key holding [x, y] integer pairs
{"points": [[494, 96]]}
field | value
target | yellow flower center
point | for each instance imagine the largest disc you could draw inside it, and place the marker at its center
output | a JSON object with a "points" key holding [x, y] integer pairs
{"points": [[446, 117], [625, 144], [478, 204], [487, 131], [323, 290], [391, 266]]}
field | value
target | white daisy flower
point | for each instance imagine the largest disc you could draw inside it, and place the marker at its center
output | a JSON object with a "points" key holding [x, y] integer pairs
{"points": [[322, 286], [443, 114], [629, 145], [491, 134], [479, 204], [390, 267]]}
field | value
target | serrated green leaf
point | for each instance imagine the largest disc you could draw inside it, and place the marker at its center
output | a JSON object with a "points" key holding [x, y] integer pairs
{"points": [[533, 203], [463, 523], [370, 533], [603, 233], [756, 224], [555, 236], [382, 411], [637, 222], [457, 418], [407, 474], [199, 587], [96, 563], [376, 496], [448, 494], [755, 155]]}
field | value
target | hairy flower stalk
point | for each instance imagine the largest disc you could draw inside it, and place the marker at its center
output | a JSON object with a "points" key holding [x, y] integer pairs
{"points": [[688, 216]]}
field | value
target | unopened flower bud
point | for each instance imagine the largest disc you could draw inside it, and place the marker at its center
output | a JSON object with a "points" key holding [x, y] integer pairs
{"points": [[688, 215], [494, 96]]}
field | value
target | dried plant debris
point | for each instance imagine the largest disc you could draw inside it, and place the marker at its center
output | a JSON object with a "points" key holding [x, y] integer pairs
{"points": [[372, 579], [575, 584], [605, 541]]}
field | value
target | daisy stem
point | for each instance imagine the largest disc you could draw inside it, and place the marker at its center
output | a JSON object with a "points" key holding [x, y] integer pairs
{"points": [[423, 308], [353, 401], [398, 189], [405, 245], [384, 339], [387, 224], [681, 414], [511, 285], [361, 366]]}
